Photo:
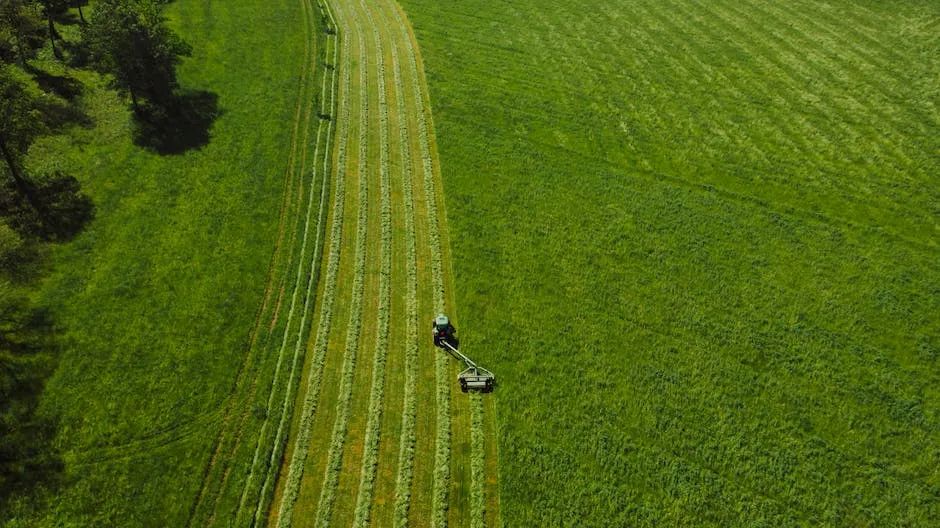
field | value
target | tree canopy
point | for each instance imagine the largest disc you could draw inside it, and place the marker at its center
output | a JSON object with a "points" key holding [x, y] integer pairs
{"points": [[20, 122], [21, 29], [130, 40]]}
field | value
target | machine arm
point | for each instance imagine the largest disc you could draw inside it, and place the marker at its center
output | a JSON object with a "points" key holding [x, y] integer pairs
{"points": [[458, 356]]}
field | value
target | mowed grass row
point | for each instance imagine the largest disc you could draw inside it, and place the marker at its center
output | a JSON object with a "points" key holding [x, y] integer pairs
{"points": [[303, 218], [366, 489], [702, 254], [323, 144], [237, 482], [157, 299], [353, 463], [295, 459]]}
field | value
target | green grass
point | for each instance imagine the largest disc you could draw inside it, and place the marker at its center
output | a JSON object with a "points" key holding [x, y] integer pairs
{"points": [[697, 242], [155, 299]]}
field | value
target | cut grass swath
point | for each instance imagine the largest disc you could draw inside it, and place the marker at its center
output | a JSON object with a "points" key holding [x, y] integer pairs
{"points": [[338, 441], [477, 464], [230, 434], [314, 376], [406, 455], [275, 446], [442, 438], [376, 396], [280, 441], [277, 442]]}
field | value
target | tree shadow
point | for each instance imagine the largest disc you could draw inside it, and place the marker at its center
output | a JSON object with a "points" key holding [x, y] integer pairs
{"points": [[55, 210], [29, 460], [57, 116], [65, 87], [76, 52], [68, 18], [180, 125], [59, 111], [22, 261]]}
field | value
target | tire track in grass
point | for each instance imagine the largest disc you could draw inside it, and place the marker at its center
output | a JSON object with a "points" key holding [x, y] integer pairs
{"points": [[377, 393], [782, 56], [815, 58], [228, 435], [280, 442], [314, 375], [312, 276], [338, 440]]}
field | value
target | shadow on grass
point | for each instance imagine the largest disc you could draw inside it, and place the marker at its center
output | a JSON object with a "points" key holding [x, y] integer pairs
{"points": [[55, 210], [178, 126], [65, 87], [29, 461], [60, 111]]}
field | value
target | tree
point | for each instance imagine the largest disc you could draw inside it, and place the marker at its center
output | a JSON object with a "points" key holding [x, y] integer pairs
{"points": [[53, 9], [20, 123], [130, 40], [20, 29], [79, 4]]}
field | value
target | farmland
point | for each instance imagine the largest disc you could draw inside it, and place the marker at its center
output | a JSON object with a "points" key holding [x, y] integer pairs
{"points": [[325, 404], [699, 243], [155, 300]]}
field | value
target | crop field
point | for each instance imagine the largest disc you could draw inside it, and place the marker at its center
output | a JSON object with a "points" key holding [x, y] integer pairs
{"points": [[698, 240]]}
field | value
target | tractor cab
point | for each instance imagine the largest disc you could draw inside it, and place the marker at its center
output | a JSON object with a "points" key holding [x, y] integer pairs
{"points": [[442, 330]]}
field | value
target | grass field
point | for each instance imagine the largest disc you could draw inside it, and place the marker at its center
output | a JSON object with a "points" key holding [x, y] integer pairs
{"points": [[240, 325], [698, 241], [155, 301]]}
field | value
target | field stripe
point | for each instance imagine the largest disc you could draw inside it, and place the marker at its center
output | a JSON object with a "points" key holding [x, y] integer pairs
{"points": [[376, 396], [225, 442], [313, 277], [406, 455], [477, 464], [359, 475], [284, 411], [314, 376], [331, 475], [442, 453]]}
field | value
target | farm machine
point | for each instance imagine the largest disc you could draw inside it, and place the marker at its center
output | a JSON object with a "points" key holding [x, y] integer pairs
{"points": [[473, 378]]}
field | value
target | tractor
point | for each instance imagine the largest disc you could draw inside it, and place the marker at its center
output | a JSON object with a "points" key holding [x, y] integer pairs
{"points": [[473, 378]]}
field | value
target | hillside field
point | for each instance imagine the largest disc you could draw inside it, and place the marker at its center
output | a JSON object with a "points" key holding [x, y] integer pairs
{"points": [[698, 240]]}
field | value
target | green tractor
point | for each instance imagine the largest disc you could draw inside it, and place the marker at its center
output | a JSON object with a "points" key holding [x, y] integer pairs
{"points": [[473, 378]]}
